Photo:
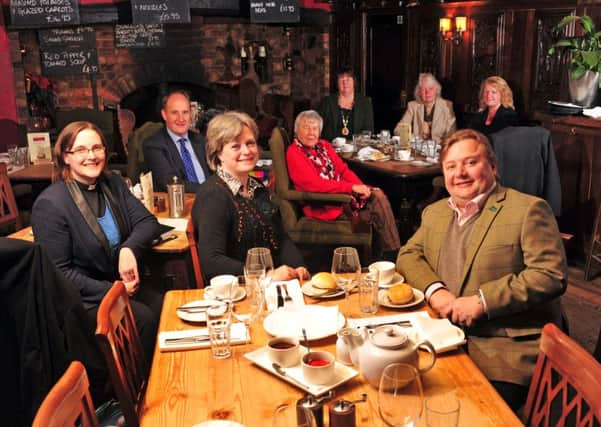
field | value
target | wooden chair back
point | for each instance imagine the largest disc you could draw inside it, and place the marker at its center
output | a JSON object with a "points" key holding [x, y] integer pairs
{"points": [[9, 213], [190, 233], [565, 388], [119, 341], [69, 402]]}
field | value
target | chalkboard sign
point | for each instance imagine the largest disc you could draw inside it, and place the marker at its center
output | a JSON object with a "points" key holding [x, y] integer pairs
{"points": [[140, 36], [274, 11], [69, 60], [80, 36], [43, 13], [160, 11]]}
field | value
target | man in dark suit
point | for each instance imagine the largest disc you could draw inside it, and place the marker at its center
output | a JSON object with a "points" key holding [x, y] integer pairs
{"points": [[174, 151]]}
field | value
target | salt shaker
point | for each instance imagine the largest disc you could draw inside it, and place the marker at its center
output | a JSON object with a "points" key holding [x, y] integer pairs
{"points": [[176, 198]]}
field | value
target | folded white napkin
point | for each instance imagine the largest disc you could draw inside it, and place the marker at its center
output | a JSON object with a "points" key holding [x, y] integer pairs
{"points": [[238, 335], [595, 113], [369, 153], [179, 224], [443, 335], [294, 290]]}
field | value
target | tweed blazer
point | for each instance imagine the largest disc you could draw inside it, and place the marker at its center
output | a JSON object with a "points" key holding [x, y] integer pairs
{"points": [[443, 122], [516, 258]]}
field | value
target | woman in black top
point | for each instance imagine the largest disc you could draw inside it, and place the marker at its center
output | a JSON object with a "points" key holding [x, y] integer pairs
{"points": [[496, 107], [233, 211], [94, 229]]}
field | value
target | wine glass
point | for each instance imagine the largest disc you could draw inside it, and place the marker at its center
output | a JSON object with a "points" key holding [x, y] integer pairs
{"points": [[400, 395], [346, 268]]}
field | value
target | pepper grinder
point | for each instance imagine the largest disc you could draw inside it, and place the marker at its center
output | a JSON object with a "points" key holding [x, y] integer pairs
{"points": [[176, 198], [342, 412]]}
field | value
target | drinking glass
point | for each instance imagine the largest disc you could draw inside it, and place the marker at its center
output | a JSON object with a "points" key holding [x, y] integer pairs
{"points": [[219, 322], [400, 395], [12, 154], [368, 291], [346, 268], [442, 410], [290, 415]]}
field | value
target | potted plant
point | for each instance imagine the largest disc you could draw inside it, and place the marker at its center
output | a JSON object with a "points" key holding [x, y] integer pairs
{"points": [[585, 63]]}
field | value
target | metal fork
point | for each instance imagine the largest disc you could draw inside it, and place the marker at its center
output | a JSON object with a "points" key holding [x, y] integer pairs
{"points": [[287, 297], [184, 340]]}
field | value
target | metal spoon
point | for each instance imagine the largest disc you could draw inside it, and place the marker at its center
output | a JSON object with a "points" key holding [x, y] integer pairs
{"points": [[282, 372], [307, 345]]}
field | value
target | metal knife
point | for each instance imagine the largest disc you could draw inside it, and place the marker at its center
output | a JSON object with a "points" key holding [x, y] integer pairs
{"points": [[280, 298]]}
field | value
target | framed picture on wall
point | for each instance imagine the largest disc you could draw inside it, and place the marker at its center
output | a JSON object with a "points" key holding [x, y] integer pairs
{"points": [[39, 147]]}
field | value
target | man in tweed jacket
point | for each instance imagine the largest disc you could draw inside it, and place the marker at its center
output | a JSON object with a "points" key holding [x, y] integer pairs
{"points": [[491, 260]]}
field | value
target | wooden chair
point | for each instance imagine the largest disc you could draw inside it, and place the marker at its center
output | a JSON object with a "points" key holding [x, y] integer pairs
{"points": [[305, 230], [69, 402], [190, 233], [565, 388], [119, 341], [127, 121], [9, 213], [135, 153]]}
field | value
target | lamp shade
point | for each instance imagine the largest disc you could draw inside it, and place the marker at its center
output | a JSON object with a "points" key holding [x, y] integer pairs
{"points": [[460, 24], [444, 25]]}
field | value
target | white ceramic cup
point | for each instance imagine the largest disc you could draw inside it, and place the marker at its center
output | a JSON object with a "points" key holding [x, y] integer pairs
{"points": [[321, 374], [284, 351], [338, 142], [223, 284], [404, 155], [386, 269]]}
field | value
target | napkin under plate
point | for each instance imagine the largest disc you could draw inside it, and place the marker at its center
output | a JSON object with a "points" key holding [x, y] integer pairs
{"points": [[294, 290], [239, 335]]}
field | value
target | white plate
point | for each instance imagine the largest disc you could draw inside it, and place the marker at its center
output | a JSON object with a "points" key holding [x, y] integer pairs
{"points": [[418, 297], [239, 296], [196, 317], [564, 104], [342, 373], [396, 279], [317, 320], [311, 291], [420, 163], [218, 423]]}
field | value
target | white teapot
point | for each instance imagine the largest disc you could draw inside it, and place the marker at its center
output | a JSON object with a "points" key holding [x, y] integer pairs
{"points": [[375, 349]]}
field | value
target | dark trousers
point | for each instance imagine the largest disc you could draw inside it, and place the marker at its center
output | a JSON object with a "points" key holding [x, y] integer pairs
{"points": [[514, 394]]}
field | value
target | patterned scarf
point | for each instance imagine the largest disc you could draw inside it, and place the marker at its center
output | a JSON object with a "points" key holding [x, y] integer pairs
{"points": [[320, 158]]}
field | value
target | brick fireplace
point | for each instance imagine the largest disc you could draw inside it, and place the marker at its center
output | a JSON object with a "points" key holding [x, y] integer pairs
{"points": [[203, 56]]}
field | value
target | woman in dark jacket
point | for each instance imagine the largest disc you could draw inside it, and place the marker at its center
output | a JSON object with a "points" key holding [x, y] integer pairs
{"points": [[94, 229], [347, 112], [233, 211], [496, 107]]}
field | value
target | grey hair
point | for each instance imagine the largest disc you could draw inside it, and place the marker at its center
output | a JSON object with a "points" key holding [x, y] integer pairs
{"points": [[308, 115], [425, 79]]}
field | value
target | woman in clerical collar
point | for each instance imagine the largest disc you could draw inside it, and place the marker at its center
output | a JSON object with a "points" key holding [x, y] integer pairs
{"points": [[94, 229], [233, 211]]}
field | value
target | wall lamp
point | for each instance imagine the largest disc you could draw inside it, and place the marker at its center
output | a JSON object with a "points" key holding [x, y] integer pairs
{"points": [[448, 34]]}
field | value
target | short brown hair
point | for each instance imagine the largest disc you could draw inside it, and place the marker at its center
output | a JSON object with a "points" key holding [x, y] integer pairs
{"points": [[225, 128], [64, 143], [501, 85], [462, 135], [166, 97]]}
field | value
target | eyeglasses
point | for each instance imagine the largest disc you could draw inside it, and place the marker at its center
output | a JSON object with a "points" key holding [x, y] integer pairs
{"points": [[98, 150]]}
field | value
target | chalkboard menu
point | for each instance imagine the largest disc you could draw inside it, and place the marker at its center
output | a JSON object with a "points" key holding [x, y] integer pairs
{"points": [[160, 11], [69, 60], [43, 13], [274, 11], [81, 36], [140, 36]]}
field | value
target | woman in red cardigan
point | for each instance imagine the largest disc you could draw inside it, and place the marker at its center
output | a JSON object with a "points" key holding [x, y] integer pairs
{"points": [[314, 166]]}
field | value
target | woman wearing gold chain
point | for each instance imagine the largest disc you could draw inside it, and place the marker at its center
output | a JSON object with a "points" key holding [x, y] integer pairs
{"points": [[346, 112]]}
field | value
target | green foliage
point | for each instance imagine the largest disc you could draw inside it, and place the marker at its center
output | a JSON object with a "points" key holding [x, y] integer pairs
{"points": [[585, 49]]}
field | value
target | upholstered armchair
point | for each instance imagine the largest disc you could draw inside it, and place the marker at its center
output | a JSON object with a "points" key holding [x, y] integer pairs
{"points": [[305, 230], [135, 154]]}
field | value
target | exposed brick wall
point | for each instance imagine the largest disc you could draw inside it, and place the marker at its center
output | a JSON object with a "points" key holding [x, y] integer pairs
{"points": [[196, 53]]}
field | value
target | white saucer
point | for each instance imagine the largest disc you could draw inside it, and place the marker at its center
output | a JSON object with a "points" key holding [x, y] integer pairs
{"points": [[313, 292], [196, 317], [239, 296], [396, 279], [420, 163], [294, 375], [418, 297]]}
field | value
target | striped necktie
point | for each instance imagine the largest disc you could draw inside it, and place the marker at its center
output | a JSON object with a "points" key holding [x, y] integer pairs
{"points": [[187, 159]]}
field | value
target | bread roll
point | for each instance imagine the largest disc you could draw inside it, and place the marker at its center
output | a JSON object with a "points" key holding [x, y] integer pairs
{"points": [[323, 281], [400, 294]]}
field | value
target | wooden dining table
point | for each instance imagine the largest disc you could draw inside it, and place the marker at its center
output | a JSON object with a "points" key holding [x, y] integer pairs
{"points": [[189, 387]]}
